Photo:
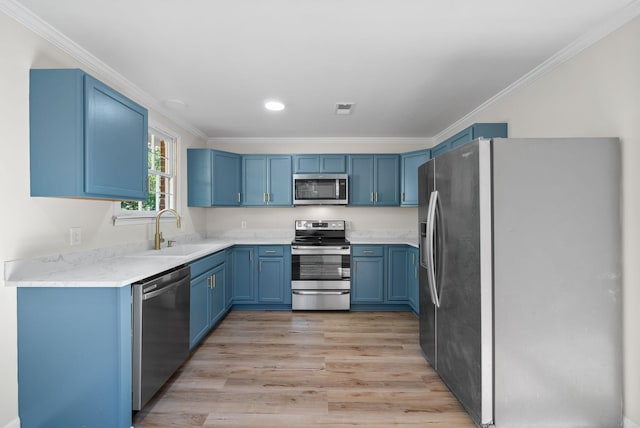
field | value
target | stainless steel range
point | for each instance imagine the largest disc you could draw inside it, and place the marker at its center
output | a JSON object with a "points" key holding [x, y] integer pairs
{"points": [[320, 266]]}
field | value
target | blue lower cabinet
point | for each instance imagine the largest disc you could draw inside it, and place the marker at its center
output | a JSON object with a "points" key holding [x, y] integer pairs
{"points": [[199, 314], [217, 304], [74, 357], [208, 300], [380, 277], [271, 280], [397, 285], [262, 277], [243, 273], [413, 279], [367, 280], [367, 274], [228, 284]]}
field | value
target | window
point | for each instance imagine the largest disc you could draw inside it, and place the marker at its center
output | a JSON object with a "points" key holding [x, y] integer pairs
{"points": [[162, 164]]}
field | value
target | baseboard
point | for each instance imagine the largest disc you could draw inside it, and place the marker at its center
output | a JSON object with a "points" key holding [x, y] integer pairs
{"points": [[16, 424], [629, 424]]}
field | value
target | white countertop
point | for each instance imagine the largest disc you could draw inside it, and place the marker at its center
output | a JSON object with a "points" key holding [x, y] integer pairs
{"points": [[108, 268]]}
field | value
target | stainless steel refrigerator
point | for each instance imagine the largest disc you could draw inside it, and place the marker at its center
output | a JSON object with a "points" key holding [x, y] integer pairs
{"points": [[520, 280]]}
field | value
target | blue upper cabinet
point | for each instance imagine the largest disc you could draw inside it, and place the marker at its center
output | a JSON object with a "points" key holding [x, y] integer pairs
{"points": [[477, 130], [266, 180], [374, 180], [323, 164], [409, 163], [213, 178], [86, 139]]}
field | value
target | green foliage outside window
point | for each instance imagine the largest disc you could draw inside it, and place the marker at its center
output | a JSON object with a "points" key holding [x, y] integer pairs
{"points": [[161, 176]]}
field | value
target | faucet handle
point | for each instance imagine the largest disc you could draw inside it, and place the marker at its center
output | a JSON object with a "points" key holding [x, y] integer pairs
{"points": [[170, 242], [161, 237]]}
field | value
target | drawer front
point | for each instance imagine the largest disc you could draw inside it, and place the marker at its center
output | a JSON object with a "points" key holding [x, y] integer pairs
{"points": [[367, 250], [271, 250], [202, 265]]}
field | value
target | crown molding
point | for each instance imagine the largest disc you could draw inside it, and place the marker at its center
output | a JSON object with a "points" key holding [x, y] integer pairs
{"points": [[599, 32], [426, 142], [40, 27]]}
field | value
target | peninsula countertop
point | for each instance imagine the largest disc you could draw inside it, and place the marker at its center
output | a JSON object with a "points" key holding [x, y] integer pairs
{"points": [[109, 268]]}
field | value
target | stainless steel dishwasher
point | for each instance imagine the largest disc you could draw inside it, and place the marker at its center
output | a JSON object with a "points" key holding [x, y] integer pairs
{"points": [[160, 333]]}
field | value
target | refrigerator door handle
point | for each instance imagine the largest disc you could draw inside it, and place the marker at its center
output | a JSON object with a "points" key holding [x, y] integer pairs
{"points": [[430, 250]]}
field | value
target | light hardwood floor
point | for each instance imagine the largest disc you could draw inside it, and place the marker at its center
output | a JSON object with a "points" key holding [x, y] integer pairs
{"points": [[298, 369]]}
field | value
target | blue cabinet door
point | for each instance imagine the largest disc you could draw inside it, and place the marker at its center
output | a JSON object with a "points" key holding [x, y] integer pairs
{"points": [[254, 180], [409, 163], [361, 180], [116, 133], [228, 283], [271, 280], [213, 178], [279, 182], [226, 179], [199, 312], [243, 274], [266, 180], [74, 356], [333, 164], [413, 272], [199, 177], [387, 180], [374, 180], [86, 140], [397, 280], [306, 164], [367, 280], [217, 304], [321, 163]]}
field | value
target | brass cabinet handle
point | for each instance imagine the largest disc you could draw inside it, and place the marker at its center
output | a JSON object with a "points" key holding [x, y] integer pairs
{"points": [[270, 251], [238, 197], [260, 267], [372, 197], [251, 256]]}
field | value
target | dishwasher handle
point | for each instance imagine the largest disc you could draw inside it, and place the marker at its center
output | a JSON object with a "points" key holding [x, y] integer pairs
{"points": [[161, 291]]}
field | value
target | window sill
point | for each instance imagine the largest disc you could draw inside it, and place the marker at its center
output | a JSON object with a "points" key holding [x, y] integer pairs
{"points": [[121, 220]]}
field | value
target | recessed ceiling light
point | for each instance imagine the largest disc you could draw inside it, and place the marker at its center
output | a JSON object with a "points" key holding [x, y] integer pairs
{"points": [[274, 105]]}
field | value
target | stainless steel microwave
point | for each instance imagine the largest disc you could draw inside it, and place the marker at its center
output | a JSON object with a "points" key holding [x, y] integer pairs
{"points": [[320, 189]]}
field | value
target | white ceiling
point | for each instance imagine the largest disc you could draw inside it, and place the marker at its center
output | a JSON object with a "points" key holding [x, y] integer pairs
{"points": [[413, 67]]}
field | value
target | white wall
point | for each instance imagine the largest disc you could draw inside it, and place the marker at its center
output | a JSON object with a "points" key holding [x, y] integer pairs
{"points": [[597, 94], [39, 226]]}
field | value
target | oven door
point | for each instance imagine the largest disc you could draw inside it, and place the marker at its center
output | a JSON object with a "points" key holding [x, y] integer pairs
{"points": [[321, 278]]}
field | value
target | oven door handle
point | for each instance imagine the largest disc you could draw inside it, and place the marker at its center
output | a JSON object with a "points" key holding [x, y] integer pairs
{"points": [[299, 250], [324, 293]]}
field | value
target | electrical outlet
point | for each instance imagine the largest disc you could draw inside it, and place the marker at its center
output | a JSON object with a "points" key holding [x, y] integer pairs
{"points": [[75, 236], [243, 224]]}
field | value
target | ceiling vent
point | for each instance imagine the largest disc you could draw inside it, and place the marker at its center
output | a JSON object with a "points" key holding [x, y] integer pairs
{"points": [[344, 108]]}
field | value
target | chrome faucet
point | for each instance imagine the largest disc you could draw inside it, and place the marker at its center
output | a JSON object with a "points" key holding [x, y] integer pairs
{"points": [[159, 237]]}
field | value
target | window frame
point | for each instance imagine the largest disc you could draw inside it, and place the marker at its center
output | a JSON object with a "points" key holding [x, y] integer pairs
{"points": [[121, 216]]}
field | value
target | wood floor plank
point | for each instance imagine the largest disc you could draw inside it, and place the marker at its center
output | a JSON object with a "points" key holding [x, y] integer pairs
{"points": [[298, 369]]}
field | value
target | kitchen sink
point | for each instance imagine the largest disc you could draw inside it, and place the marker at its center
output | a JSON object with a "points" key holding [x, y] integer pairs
{"points": [[182, 250]]}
